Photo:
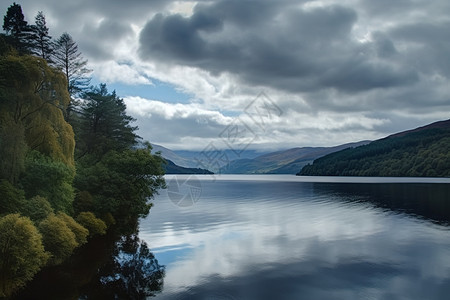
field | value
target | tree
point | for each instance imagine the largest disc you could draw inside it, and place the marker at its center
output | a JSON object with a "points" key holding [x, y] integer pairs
{"points": [[95, 225], [50, 179], [12, 148], [80, 232], [123, 183], [11, 198], [69, 60], [21, 253], [16, 27], [37, 208], [104, 123], [32, 98], [14, 20], [42, 42], [58, 239]]}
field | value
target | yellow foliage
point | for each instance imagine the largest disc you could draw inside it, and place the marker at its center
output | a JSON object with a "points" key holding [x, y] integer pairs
{"points": [[35, 95], [21, 253]]}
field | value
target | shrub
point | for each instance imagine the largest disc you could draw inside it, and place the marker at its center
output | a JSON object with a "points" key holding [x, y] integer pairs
{"points": [[21, 253], [80, 232], [95, 225], [37, 208], [58, 239], [11, 198]]}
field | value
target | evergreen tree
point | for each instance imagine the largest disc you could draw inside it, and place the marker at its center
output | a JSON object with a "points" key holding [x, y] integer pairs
{"points": [[42, 41], [104, 125], [16, 28], [69, 60]]}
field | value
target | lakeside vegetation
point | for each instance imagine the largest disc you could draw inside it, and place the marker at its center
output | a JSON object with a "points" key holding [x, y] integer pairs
{"points": [[423, 152], [70, 170]]}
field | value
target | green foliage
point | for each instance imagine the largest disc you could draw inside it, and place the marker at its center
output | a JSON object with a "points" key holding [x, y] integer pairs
{"points": [[123, 183], [80, 232], [109, 219], [422, 153], [50, 179], [11, 199], [104, 124], [16, 27], [33, 95], [42, 45], [95, 225], [37, 208], [21, 253], [58, 239], [83, 202], [5, 47], [37, 148], [12, 149], [14, 21]]}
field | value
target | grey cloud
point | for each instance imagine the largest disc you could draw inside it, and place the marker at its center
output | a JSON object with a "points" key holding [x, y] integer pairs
{"points": [[80, 19], [99, 40], [429, 45], [289, 48], [384, 46]]}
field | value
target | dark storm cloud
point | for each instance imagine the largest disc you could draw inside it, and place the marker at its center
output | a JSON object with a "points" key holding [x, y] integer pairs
{"points": [[275, 44], [93, 24]]}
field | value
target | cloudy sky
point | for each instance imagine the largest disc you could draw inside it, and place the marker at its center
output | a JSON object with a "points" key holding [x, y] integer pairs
{"points": [[273, 74]]}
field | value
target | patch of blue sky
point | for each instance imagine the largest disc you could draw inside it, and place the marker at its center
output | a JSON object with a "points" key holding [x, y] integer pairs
{"points": [[158, 90]]}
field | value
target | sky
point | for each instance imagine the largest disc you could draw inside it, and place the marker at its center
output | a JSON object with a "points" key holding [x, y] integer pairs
{"points": [[264, 74]]}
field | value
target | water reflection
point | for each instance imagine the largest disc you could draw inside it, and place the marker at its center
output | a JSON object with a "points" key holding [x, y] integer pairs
{"points": [[297, 240], [132, 272], [427, 201], [106, 268]]}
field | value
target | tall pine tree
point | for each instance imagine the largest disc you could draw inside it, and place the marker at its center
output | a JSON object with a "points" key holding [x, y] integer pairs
{"points": [[17, 29], [69, 60], [104, 123], [42, 42]]}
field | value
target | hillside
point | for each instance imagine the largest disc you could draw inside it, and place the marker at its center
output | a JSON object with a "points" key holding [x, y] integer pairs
{"points": [[171, 168], [282, 162], [174, 157], [421, 152], [190, 158]]}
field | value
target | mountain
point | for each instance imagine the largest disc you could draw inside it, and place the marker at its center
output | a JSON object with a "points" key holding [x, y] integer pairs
{"points": [[193, 159], [282, 162], [172, 168], [174, 157], [421, 152]]}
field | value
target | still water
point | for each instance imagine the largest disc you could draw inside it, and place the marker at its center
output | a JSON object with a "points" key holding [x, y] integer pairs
{"points": [[287, 237]]}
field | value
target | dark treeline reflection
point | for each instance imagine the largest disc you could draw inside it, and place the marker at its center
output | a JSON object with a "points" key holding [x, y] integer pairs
{"points": [[426, 201], [106, 268]]}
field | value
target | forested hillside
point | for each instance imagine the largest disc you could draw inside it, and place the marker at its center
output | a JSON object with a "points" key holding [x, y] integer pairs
{"points": [[422, 152], [68, 168]]}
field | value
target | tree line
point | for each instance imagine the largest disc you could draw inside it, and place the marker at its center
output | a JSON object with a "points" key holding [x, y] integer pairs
{"points": [[70, 165], [423, 153]]}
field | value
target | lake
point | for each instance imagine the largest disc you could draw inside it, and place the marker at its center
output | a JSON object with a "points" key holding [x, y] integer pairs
{"points": [[288, 237]]}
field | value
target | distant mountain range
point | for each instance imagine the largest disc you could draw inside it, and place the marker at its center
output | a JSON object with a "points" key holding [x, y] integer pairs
{"points": [[282, 162], [249, 161], [421, 152], [424, 151]]}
